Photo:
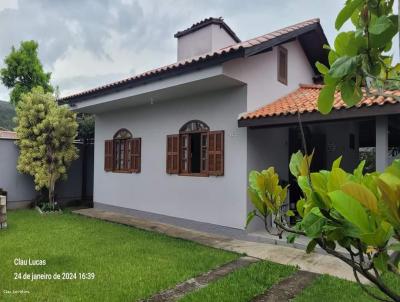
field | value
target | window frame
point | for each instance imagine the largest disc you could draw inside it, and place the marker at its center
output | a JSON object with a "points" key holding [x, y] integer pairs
{"points": [[283, 78], [122, 153], [185, 135], [188, 134]]}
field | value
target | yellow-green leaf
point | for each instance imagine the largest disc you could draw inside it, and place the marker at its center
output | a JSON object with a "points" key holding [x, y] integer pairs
{"points": [[362, 195]]}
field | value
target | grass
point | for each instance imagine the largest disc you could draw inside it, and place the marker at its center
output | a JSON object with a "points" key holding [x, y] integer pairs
{"points": [[129, 264], [327, 288], [243, 284]]}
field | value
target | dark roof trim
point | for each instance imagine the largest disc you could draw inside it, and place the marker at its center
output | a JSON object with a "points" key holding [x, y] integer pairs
{"points": [[163, 74], [218, 21], [312, 53], [316, 117]]}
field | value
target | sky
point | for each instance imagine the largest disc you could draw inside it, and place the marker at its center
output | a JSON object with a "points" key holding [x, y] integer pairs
{"points": [[87, 43]]}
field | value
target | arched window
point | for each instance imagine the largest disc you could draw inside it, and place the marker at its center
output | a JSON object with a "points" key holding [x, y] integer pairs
{"points": [[195, 150], [194, 126], [122, 134], [122, 153], [122, 149]]}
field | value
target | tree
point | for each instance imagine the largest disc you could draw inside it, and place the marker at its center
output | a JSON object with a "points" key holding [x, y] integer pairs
{"points": [[46, 134], [359, 60], [356, 211], [23, 71]]}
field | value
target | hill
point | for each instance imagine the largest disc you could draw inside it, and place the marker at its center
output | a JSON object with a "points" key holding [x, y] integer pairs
{"points": [[7, 113]]}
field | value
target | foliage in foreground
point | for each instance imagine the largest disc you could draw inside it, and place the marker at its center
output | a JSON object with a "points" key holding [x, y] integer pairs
{"points": [[46, 134], [360, 58], [356, 211], [23, 71]]}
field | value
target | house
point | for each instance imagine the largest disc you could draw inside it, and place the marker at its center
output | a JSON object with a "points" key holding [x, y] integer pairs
{"points": [[179, 141]]}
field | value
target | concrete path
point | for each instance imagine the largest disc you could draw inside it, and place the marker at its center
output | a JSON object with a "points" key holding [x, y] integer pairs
{"points": [[314, 262]]}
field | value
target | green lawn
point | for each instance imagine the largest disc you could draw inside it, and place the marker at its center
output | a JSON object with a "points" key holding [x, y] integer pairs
{"points": [[327, 288], [129, 264], [243, 284]]}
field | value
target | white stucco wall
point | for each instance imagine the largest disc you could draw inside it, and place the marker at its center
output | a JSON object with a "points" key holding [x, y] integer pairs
{"points": [[217, 200], [220, 38], [260, 74], [204, 40], [194, 44]]}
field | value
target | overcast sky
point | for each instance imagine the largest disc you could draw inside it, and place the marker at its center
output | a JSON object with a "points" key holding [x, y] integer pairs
{"points": [[86, 43]]}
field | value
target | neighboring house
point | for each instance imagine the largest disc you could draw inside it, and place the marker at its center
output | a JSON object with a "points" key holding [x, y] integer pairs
{"points": [[169, 142], [5, 134]]}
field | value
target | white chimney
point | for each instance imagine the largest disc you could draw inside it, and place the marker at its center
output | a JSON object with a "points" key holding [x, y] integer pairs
{"points": [[205, 36]]}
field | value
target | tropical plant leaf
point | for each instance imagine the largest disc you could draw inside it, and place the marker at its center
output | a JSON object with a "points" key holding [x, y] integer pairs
{"points": [[311, 246], [336, 163], [256, 201], [346, 44], [377, 41], [250, 217], [381, 261], [290, 213], [351, 93], [326, 98], [322, 68], [351, 210], [344, 66], [336, 179], [346, 13], [380, 25], [313, 223], [362, 195]]}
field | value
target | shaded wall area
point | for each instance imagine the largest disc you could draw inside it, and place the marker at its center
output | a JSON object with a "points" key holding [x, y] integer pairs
{"points": [[20, 188]]}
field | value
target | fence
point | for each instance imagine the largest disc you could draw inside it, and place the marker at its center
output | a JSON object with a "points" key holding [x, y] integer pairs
{"points": [[21, 190]]}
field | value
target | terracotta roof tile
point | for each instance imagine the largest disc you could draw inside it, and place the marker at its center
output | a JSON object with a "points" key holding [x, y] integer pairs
{"points": [[223, 51], [5, 134], [305, 99]]}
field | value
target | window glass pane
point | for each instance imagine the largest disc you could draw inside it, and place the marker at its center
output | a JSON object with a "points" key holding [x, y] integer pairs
{"points": [[123, 134], [193, 126]]}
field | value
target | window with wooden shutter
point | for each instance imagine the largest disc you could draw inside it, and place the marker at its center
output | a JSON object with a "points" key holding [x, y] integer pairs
{"points": [[196, 151], [135, 155], [122, 153], [173, 154], [282, 65], [216, 153], [108, 155], [204, 153], [185, 153]]}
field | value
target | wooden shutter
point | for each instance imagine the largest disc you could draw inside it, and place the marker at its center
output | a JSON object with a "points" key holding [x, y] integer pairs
{"points": [[283, 65], [184, 148], [173, 154], [216, 153], [204, 153], [135, 154], [108, 155]]}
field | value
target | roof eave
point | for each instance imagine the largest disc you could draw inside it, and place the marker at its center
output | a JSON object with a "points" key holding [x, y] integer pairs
{"points": [[313, 54], [201, 64], [317, 117]]}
